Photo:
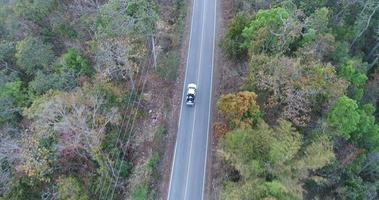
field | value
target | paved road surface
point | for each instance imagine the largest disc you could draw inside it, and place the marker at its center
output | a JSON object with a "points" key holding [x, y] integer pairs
{"points": [[187, 179]]}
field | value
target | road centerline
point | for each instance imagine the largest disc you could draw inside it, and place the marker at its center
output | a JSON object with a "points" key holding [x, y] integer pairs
{"points": [[181, 98], [198, 84]]}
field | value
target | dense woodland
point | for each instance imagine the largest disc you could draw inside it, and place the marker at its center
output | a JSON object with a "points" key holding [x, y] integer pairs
{"points": [[72, 80], [304, 123]]}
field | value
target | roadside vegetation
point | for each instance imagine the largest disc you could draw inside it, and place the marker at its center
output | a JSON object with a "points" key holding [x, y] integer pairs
{"points": [[304, 122], [76, 95]]}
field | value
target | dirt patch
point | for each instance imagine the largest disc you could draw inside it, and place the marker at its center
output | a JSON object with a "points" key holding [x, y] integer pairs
{"points": [[142, 144]]}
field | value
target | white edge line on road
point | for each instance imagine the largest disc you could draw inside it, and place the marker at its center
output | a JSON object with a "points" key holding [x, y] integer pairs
{"points": [[198, 83], [210, 100], [181, 99]]}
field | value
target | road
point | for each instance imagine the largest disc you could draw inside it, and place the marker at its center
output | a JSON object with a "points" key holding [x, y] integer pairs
{"points": [[187, 180]]}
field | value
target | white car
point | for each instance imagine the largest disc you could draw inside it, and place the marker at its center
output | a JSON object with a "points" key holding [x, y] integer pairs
{"points": [[191, 92]]}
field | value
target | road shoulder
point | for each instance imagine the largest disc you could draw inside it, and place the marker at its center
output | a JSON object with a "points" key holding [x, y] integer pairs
{"points": [[175, 102]]}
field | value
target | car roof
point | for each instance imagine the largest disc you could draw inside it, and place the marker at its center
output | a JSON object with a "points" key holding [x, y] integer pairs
{"points": [[191, 91]]}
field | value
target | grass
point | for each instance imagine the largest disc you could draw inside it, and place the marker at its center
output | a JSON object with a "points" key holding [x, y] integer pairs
{"points": [[141, 192]]}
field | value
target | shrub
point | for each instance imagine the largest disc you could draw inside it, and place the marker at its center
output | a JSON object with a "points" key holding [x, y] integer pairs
{"points": [[74, 61], [141, 192], [69, 188], [168, 66], [152, 163]]}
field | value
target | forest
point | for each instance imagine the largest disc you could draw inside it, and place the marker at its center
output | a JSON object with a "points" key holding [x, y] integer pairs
{"points": [[303, 122], [76, 80]]}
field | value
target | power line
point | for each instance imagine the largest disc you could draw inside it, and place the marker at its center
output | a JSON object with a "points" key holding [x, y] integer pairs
{"points": [[130, 132]]}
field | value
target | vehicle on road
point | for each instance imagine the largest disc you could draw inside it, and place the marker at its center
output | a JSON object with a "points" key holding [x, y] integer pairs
{"points": [[191, 92]]}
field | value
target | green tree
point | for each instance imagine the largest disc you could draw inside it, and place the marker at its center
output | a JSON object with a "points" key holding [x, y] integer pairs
{"points": [[319, 20], [7, 50], [32, 54], [232, 41], [74, 61], [43, 82], [344, 116], [272, 19], [271, 31], [352, 73], [12, 100], [367, 128]]}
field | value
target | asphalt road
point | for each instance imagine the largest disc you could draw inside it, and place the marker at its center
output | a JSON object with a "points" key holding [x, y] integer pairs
{"points": [[187, 179]]}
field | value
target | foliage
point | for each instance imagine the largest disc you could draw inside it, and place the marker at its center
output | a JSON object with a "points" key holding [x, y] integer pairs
{"points": [[272, 31], [319, 20], [43, 82], [69, 188], [73, 61], [141, 192], [152, 163], [345, 116], [294, 90], [232, 41], [7, 50], [24, 188], [315, 64], [127, 17], [34, 10], [240, 109], [168, 65], [12, 99], [32, 54], [354, 76], [269, 161], [271, 19], [63, 69]]}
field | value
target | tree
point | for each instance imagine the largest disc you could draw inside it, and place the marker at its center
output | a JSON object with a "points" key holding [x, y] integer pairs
{"points": [[294, 90], [43, 82], [76, 120], [368, 129], [79, 118], [271, 162], [272, 19], [239, 109], [74, 61], [364, 19], [319, 20], [120, 58], [7, 50], [32, 54], [69, 188], [272, 31], [352, 71], [344, 116], [287, 144], [123, 18], [243, 147], [34, 10], [12, 100], [232, 41]]}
